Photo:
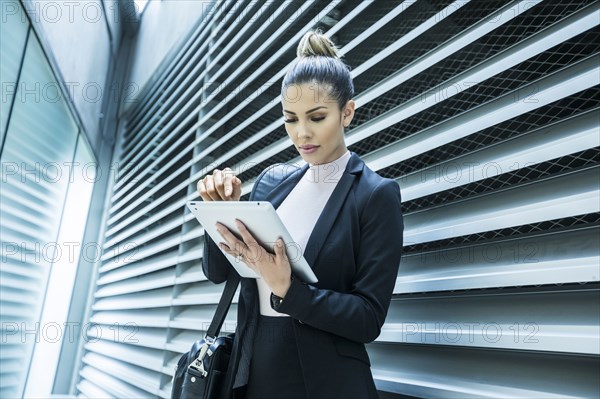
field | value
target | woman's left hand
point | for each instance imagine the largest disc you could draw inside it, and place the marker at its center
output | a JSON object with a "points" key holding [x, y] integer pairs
{"points": [[275, 268]]}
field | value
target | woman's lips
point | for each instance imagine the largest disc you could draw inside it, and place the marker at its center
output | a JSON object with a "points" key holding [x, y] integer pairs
{"points": [[309, 149]]}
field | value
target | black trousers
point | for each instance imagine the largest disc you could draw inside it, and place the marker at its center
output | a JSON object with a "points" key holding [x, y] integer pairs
{"points": [[275, 370]]}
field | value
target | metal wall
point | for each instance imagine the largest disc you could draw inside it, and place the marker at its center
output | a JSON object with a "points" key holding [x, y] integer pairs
{"points": [[485, 112]]}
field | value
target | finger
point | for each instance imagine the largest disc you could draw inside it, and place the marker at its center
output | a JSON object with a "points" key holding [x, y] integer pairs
{"points": [[228, 179], [238, 258], [227, 250], [236, 188], [201, 187], [210, 189], [245, 233], [218, 179], [280, 248], [280, 251], [232, 240]]}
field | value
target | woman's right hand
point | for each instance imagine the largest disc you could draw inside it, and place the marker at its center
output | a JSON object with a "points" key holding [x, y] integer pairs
{"points": [[220, 186]]}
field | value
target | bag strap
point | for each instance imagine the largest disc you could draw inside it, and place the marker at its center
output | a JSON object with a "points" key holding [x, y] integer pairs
{"points": [[231, 285]]}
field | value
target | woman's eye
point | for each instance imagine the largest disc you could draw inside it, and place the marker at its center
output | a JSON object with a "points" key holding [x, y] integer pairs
{"points": [[318, 119], [313, 119], [288, 120]]}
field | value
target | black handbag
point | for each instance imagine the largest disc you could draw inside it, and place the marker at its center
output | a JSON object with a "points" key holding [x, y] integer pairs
{"points": [[200, 372]]}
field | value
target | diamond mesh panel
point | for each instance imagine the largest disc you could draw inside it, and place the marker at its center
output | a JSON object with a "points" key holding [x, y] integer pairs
{"points": [[450, 26], [481, 50], [408, 20], [550, 168], [553, 112], [512, 79]]}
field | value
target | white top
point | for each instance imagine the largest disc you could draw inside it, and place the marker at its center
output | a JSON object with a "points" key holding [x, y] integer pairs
{"points": [[300, 211]]}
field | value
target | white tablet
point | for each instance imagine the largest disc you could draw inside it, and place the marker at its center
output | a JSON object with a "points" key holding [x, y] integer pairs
{"points": [[263, 222]]}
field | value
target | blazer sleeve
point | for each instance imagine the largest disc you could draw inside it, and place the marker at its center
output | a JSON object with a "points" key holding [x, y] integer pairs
{"points": [[214, 264], [358, 315]]}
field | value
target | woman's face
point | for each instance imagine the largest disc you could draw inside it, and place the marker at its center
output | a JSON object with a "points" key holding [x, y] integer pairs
{"points": [[314, 122]]}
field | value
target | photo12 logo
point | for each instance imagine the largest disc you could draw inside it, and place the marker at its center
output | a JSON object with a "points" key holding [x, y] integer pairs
{"points": [[54, 252], [54, 12], [52, 332]]}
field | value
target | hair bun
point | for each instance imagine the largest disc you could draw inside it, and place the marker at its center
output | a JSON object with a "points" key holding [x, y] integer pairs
{"points": [[315, 43]]}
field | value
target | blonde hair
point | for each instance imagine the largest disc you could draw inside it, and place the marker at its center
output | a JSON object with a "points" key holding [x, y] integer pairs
{"points": [[318, 60], [315, 43]]}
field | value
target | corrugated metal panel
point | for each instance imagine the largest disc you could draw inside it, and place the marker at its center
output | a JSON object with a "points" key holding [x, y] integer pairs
{"points": [[486, 113]]}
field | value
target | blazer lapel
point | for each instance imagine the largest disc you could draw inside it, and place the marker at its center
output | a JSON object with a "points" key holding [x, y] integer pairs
{"points": [[332, 209]]}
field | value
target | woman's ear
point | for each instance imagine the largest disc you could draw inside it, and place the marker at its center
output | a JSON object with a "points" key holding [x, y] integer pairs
{"points": [[348, 113]]}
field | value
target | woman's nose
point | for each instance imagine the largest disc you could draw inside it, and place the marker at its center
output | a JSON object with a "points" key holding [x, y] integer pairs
{"points": [[303, 132]]}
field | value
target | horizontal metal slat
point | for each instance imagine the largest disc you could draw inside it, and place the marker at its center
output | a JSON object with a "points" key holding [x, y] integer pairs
{"points": [[111, 385], [14, 311], [142, 200], [525, 321], [9, 383], [89, 390], [555, 258], [143, 300], [139, 225], [134, 270], [9, 281], [161, 279], [199, 294], [30, 148], [559, 85], [25, 267], [156, 317], [530, 203], [194, 274], [563, 138], [26, 207], [10, 351], [435, 371], [16, 296], [207, 53], [166, 225], [142, 358], [199, 317], [15, 231], [135, 254], [24, 187], [128, 333], [405, 39]]}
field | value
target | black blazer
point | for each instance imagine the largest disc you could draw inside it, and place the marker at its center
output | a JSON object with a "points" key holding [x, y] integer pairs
{"points": [[355, 251]]}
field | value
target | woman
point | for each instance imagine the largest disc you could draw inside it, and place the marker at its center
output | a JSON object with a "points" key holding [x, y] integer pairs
{"points": [[298, 340]]}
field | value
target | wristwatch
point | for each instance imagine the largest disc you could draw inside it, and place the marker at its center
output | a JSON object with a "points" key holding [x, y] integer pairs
{"points": [[277, 300]]}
